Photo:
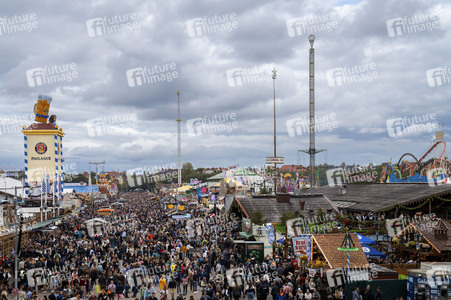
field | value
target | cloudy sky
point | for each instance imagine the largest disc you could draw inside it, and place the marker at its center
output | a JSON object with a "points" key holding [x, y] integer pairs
{"points": [[113, 69]]}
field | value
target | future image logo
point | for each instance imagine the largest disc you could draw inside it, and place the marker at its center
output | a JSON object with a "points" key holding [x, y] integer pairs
{"points": [[416, 124], [209, 25], [241, 76], [212, 124], [436, 176], [412, 25], [348, 75], [51, 74], [151, 74], [13, 124], [439, 76], [346, 175], [111, 125], [18, 23], [300, 126], [112, 24], [312, 24]]}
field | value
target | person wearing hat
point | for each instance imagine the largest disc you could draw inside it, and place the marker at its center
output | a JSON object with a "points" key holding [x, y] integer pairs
{"points": [[180, 296]]}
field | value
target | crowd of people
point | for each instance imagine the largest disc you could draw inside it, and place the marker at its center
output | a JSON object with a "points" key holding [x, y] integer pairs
{"points": [[145, 253]]}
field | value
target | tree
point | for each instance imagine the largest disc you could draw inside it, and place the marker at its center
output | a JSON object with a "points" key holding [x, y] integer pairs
{"points": [[257, 218], [264, 191], [74, 178], [321, 214], [188, 167], [287, 215]]}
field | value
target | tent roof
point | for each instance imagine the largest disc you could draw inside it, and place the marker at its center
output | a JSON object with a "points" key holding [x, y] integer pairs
{"points": [[370, 252], [184, 188], [365, 240], [233, 181], [328, 244], [216, 177], [244, 172], [237, 173], [96, 220]]}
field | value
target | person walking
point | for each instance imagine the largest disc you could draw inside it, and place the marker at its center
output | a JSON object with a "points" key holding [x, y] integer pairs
{"points": [[111, 290], [356, 293], [250, 291], [378, 294], [185, 284], [281, 295]]}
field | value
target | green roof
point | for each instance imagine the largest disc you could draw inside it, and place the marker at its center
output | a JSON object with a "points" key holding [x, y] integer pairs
{"points": [[43, 224], [243, 172], [216, 177], [238, 173]]}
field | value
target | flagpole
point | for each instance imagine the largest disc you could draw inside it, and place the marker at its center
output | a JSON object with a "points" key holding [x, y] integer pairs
{"points": [[42, 187], [59, 193], [47, 189], [57, 188], [53, 196]]}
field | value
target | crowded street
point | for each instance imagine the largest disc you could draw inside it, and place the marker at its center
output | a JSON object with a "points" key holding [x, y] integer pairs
{"points": [[145, 254]]}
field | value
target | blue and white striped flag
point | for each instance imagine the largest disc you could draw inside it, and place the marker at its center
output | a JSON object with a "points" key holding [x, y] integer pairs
{"points": [[60, 186], [43, 185], [47, 184]]}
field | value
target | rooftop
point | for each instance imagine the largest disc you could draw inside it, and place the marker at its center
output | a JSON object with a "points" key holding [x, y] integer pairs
{"points": [[381, 196], [273, 210], [328, 244]]}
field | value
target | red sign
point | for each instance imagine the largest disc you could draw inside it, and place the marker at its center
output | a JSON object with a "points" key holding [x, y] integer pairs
{"points": [[300, 246]]}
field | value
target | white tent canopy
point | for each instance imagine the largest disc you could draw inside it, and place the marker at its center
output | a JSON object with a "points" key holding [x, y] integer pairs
{"points": [[97, 226]]}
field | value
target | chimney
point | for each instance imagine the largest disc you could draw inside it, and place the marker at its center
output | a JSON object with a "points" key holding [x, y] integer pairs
{"points": [[342, 190], [283, 198], [301, 204]]}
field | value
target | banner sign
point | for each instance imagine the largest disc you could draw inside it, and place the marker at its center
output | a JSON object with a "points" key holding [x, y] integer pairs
{"points": [[275, 160], [271, 237], [302, 245]]}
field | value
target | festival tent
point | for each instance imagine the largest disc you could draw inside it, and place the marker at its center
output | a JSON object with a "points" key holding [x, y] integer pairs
{"points": [[233, 183], [365, 240], [372, 253], [184, 188]]}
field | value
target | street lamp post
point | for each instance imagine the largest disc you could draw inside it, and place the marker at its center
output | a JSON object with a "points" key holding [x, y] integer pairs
{"points": [[16, 244], [274, 76]]}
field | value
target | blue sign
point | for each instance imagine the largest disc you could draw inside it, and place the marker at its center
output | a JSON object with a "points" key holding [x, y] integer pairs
{"points": [[271, 236]]}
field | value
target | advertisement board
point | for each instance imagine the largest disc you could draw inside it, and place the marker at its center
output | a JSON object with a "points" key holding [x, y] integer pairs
{"points": [[302, 245]]}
